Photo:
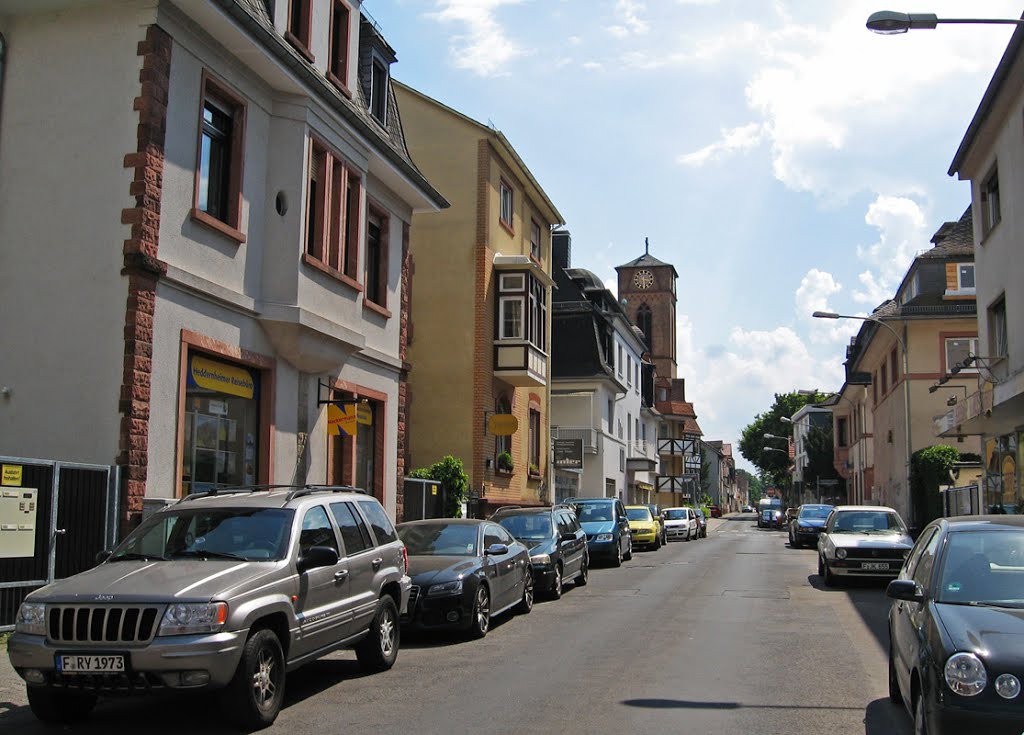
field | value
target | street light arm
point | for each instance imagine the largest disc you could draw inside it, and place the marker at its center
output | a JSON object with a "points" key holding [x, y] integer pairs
{"points": [[889, 22], [876, 320]]}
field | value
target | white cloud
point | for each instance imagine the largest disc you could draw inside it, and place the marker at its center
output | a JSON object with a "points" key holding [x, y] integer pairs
{"points": [[903, 233], [593, 66], [630, 23], [575, 40], [485, 47], [742, 138]]}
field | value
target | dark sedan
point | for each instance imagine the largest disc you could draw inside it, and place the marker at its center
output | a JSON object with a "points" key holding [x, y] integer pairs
{"points": [[956, 627], [464, 572], [805, 527], [557, 543]]}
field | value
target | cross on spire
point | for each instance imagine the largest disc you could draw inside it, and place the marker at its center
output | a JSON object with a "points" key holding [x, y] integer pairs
{"points": [[647, 247]]}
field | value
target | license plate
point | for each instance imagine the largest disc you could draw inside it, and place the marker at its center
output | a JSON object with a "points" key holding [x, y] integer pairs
{"points": [[875, 566], [89, 664]]}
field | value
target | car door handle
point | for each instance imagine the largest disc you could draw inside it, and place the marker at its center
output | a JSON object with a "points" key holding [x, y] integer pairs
{"points": [[376, 563], [339, 576]]}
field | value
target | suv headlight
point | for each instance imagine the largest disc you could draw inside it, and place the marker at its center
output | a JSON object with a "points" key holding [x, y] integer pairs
{"points": [[445, 588], [189, 618], [965, 674], [31, 618]]}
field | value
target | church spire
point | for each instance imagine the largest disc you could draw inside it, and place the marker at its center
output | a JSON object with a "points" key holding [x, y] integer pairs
{"points": [[647, 247]]}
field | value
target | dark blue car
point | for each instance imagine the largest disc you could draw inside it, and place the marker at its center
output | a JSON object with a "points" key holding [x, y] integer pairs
{"points": [[607, 527], [810, 519]]}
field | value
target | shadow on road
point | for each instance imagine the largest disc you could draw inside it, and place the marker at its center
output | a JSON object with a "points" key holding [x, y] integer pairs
{"points": [[868, 598], [690, 704], [881, 717]]}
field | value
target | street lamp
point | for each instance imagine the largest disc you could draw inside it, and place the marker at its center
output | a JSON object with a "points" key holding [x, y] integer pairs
{"points": [[776, 436], [888, 22], [906, 376], [774, 449]]}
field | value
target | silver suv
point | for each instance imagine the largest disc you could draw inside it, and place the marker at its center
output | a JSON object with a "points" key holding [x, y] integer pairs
{"points": [[223, 590]]}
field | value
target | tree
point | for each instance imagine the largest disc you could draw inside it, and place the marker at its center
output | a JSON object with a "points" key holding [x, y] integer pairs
{"points": [[754, 487], [820, 456], [451, 473], [774, 466]]}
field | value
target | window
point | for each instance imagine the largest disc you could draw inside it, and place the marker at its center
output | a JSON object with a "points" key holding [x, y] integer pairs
{"points": [[997, 332], [379, 91], [502, 444], [629, 427], [841, 432], [491, 536], [534, 240], [643, 320], [622, 460], [299, 16], [629, 370], [959, 349], [218, 190], [885, 380], [316, 531], [965, 277], [912, 290], [511, 317], [332, 212], [376, 256], [379, 522], [534, 440], [990, 209], [892, 366], [618, 363], [609, 414], [337, 72], [354, 535], [505, 214], [537, 326]]}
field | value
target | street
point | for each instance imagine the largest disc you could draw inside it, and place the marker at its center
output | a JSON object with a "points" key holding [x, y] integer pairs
{"points": [[729, 634]]}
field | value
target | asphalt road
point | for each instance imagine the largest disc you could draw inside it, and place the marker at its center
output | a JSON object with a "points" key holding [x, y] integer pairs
{"points": [[729, 634]]}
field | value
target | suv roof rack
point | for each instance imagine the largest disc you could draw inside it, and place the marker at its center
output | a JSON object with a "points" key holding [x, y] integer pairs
{"points": [[310, 489], [296, 492]]}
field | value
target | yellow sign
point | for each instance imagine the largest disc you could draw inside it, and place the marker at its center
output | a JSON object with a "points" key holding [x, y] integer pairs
{"points": [[218, 376], [364, 414], [502, 424], [12, 475], [341, 420]]}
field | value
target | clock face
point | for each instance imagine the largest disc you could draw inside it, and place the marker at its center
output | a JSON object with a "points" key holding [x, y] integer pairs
{"points": [[643, 279]]}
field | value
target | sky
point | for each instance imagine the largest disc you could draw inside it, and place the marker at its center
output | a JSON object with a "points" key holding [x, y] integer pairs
{"points": [[782, 157]]}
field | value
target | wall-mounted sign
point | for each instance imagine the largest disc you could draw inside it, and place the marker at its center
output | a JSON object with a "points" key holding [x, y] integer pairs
{"points": [[18, 522], [364, 414], [502, 424], [12, 475], [341, 420], [568, 454], [221, 377]]}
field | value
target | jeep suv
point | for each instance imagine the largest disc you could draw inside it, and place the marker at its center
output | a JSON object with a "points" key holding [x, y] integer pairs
{"points": [[224, 590]]}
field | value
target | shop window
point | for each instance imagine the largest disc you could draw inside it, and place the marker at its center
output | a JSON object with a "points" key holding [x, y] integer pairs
{"points": [[354, 458], [221, 425]]}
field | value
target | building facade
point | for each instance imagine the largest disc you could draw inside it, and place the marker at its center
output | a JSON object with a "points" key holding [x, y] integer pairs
{"points": [[480, 333], [232, 241]]}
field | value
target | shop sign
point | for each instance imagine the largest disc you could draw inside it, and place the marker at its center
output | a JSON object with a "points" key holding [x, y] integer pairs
{"points": [[568, 454], [12, 475], [341, 420], [502, 424], [221, 377], [364, 414]]}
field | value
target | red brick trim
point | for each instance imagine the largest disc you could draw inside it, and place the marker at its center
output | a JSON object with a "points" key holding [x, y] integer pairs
{"points": [[401, 433], [143, 269]]}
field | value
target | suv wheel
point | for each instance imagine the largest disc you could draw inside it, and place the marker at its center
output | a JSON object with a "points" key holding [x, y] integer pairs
{"points": [[526, 603], [555, 592], [55, 705], [379, 649], [256, 691], [481, 613]]}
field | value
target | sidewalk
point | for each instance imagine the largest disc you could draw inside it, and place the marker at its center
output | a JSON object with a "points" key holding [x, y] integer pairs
{"points": [[12, 688]]}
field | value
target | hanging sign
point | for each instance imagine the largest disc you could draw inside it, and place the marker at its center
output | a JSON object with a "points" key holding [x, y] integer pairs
{"points": [[364, 414], [502, 424], [341, 420]]}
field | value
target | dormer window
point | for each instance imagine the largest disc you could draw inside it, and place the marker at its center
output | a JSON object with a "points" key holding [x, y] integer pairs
{"points": [[379, 91], [965, 277], [912, 290], [337, 72], [300, 14]]}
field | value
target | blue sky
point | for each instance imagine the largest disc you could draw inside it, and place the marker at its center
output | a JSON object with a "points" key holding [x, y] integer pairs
{"points": [[781, 156]]}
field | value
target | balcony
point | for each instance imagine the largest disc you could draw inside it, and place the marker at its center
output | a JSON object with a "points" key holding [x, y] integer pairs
{"points": [[640, 456], [585, 433], [520, 363], [682, 484]]}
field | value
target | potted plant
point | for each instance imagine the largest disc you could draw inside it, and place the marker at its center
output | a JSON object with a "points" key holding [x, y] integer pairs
{"points": [[534, 470], [505, 462]]}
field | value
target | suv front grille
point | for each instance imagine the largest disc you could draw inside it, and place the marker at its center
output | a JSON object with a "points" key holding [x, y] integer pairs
{"points": [[102, 624]]}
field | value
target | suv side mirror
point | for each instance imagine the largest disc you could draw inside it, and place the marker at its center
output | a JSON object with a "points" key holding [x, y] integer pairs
{"points": [[317, 556]]}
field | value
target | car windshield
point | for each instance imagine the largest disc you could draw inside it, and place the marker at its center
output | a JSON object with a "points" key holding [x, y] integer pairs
{"points": [[868, 521], [440, 539], [639, 514], [527, 526], [250, 534], [983, 568], [675, 514], [590, 512], [814, 513]]}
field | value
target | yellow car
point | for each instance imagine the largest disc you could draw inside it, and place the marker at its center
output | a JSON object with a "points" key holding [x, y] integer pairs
{"points": [[645, 528]]}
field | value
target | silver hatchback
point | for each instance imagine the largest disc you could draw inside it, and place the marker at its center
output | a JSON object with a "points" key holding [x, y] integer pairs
{"points": [[223, 591]]}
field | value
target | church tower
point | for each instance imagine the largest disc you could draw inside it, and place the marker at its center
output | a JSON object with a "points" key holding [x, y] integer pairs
{"points": [[647, 290]]}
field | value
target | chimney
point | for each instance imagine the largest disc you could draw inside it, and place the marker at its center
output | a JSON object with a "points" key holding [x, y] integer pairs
{"points": [[561, 249]]}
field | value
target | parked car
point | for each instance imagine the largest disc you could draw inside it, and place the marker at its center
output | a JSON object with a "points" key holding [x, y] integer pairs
{"points": [[645, 529], [805, 527], [956, 632], [748, 509], [702, 523], [464, 572], [715, 511], [607, 528], [681, 523], [557, 544], [769, 513], [862, 541], [222, 591], [660, 518]]}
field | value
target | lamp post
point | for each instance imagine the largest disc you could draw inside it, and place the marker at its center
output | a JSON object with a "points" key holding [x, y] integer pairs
{"points": [[906, 379], [888, 22]]}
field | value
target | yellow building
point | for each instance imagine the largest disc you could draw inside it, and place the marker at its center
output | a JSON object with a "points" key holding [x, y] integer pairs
{"points": [[480, 308]]}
